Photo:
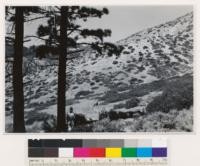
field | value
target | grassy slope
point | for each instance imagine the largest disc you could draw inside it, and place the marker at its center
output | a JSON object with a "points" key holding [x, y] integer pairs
{"points": [[171, 111]]}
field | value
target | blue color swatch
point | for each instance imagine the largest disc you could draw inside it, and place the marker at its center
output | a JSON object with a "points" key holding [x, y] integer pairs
{"points": [[144, 152]]}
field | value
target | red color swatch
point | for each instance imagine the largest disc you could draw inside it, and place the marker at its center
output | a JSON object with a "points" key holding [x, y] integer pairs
{"points": [[97, 152]]}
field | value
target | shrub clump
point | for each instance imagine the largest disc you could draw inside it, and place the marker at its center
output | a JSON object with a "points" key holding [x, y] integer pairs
{"points": [[133, 102], [82, 93], [111, 96], [115, 62], [118, 106], [177, 95], [92, 83], [126, 52], [80, 119], [116, 115]]}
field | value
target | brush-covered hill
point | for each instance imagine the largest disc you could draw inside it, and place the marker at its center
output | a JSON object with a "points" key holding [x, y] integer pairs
{"points": [[144, 89]]}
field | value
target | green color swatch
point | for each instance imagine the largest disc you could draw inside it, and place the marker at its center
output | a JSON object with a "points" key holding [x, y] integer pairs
{"points": [[129, 152]]}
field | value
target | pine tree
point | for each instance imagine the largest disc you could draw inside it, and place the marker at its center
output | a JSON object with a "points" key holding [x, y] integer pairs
{"points": [[61, 118], [63, 38], [16, 15], [18, 100]]}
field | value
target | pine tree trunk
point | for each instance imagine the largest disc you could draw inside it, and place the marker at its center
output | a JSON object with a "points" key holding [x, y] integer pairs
{"points": [[61, 116], [18, 101]]}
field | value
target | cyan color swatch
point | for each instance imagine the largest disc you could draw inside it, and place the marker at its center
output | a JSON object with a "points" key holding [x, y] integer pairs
{"points": [[144, 152]]}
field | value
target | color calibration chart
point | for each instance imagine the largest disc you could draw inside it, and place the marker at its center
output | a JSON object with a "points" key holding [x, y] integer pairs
{"points": [[97, 152]]}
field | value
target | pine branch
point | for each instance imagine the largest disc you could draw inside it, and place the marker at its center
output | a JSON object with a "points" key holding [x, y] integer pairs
{"points": [[73, 52], [37, 18], [69, 58], [36, 37], [10, 33], [10, 39], [28, 40], [40, 39], [10, 13], [43, 11], [57, 8], [84, 43], [12, 28], [73, 30]]}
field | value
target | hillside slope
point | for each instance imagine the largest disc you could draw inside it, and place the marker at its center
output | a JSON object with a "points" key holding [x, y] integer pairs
{"points": [[128, 83]]}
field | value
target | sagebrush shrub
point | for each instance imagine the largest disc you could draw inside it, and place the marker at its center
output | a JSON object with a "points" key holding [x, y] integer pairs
{"points": [[176, 95]]}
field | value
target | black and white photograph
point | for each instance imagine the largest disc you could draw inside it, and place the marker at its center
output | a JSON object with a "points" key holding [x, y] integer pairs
{"points": [[76, 69]]}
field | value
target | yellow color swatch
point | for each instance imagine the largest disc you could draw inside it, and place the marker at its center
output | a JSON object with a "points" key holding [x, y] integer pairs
{"points": [[113, 152]]}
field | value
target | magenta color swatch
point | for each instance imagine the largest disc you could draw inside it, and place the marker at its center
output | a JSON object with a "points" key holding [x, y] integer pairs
{"points": [[81, 152]]}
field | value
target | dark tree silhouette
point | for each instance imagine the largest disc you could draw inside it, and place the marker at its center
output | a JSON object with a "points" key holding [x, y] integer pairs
{"points": [[18, 101], [61, 125], [16, 15]]}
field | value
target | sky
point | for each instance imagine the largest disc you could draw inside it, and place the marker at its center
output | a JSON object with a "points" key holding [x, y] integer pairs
{"points": [[126, 20]]}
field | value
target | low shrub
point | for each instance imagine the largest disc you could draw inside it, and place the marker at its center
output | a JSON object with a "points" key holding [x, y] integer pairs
{"points": [[75, 87], [133, 102], [92, 83], [119, 106], [115, 62], [145, 47], [80, 119], [49, 124], [82, 93], [95, 87], [116, 115], [126, 52], [176, 95], [111, 96]]}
